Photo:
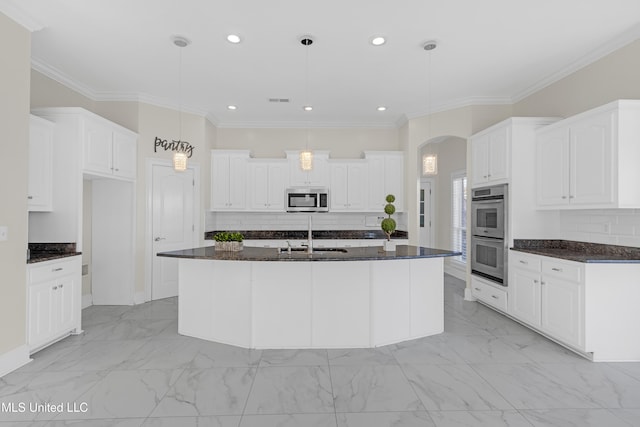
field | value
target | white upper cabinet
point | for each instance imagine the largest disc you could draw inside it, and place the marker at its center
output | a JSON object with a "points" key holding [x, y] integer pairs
{"points": [[318, 176], [490, 156], [40, 189], [348, 185], [590, 160], [267, 183], [108, 151], [386, 176], [229, 179]]}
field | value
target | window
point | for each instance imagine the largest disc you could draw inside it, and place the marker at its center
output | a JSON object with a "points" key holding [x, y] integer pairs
{"points": [[459, 215]]}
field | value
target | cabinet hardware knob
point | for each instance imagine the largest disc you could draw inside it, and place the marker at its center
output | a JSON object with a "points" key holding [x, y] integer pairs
{"points": [[478, 289], [55, 287], [557, 269], [564, 197], [535, 281], [57, 269], [117, 170], [61, 286], [543, 283], [494, 297], [30, 197], [571, 197]]}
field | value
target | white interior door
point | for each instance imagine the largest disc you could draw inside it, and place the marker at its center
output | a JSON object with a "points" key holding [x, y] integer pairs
{"points": [[173, 225], [425, 214]]}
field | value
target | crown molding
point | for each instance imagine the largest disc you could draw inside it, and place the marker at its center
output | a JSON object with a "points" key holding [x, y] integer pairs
{"points": [[461, 103], [627, 37], [305, 125], [10, 9], [60, 77]]}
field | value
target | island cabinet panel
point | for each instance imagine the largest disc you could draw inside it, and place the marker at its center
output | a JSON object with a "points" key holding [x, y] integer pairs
{"points": [[281, 305], [427, 294], [340, 312], [391, 301]]}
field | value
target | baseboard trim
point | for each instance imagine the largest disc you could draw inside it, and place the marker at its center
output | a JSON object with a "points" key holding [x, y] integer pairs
{"points": [[468, 296], [139, 298], [14, 359], [87, 301]]}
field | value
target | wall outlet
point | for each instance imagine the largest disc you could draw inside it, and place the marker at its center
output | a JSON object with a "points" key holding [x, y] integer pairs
{"points": [[4, 232]]}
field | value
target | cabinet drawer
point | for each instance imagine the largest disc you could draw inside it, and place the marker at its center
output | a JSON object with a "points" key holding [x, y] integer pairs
{"points": [[522, 260], [53, 269], [562, 269], [489, 294]]}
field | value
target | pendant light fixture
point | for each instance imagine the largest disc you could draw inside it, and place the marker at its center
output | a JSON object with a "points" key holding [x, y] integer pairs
{"points": [[429, 161], [179, 156], [306, 155]]}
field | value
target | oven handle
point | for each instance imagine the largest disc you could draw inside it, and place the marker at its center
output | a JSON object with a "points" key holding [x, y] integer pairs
{"points": [[496, 241], [483, 201]]}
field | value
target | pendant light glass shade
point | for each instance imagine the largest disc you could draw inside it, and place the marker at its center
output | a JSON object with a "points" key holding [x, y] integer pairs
{"points": [[430, 164], [306, 160], [179, 161]]}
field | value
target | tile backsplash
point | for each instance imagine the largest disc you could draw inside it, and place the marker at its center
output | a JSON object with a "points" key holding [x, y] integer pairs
{"points": [[296, 221], [610, 226]]}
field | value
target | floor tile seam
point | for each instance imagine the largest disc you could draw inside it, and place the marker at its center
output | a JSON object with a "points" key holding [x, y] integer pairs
{"points": [[246, 401], [491, 386], [333, 394], [404, 374], [611, 411]]}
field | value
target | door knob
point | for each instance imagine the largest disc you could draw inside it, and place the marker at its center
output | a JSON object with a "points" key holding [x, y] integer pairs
{"points": [[157, 239]]}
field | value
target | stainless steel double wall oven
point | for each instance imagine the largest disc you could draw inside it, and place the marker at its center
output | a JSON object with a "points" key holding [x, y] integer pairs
{"points": [[489, 234]]}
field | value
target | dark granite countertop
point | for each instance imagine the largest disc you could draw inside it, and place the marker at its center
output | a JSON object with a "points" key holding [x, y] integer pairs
{"points": [[317, 234], [40, 252], [579, 251], [368, 253]]}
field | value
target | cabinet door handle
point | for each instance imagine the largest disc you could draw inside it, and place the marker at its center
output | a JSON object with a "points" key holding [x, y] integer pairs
{"points": [[117, 170], [557, 269], [494, 297], [60, 286], [55, 287], [478, 289], [535, 281], [524, 262], [157, 239], [571, 197], [57, 269], [543, 283], [564, 197], [30, 197]]}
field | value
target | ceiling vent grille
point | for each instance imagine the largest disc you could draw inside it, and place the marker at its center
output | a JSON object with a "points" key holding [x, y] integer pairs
{"points": [[279, 100]]}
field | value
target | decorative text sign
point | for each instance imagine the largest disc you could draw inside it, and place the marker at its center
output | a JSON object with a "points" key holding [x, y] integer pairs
{"points": [[182, 146]]}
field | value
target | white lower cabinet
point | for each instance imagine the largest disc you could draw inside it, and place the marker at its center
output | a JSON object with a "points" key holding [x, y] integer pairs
{"points": [[488, 293], [548, 294], [54, 294]]}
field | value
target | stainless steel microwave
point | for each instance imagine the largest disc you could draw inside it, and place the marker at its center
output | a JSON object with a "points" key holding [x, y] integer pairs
{"points": [[305, 199]]}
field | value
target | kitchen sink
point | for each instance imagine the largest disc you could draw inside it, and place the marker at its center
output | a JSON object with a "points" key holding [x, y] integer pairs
{"points": [[315, 250]]}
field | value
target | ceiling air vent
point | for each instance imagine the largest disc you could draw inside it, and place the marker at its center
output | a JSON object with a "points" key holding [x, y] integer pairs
{"points": [[278, 100]]}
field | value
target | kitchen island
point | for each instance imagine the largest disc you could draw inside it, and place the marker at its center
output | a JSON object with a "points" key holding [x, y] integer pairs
{"points": [[334, 298]]}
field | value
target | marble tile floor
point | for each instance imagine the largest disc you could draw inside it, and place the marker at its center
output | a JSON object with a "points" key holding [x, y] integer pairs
{"points": [[131, 368]]}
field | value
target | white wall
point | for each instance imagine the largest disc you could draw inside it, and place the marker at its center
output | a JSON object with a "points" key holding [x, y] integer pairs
{"points": [[15, 45], [452, 157]]}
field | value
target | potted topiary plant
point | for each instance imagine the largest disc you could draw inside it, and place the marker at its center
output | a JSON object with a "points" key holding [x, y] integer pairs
{"points": [[388, 224], [228, 241]]}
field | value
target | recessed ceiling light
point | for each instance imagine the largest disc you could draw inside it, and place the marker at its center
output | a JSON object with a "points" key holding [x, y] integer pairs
{"points": [[382, 108], [378, 40], [430, 45], [307, 108], [231, 107], [233, 38]]}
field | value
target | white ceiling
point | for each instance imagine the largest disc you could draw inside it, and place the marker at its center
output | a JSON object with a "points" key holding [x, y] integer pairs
{"points": [[491, 51]]}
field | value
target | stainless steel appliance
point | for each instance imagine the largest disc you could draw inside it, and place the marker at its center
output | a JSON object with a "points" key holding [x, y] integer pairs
{"points": [[305, 199], [488, 233]]}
